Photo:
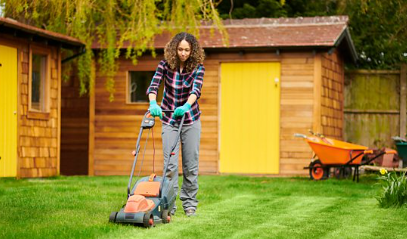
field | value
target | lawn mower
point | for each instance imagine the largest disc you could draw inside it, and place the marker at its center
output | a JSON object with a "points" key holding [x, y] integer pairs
{"points": [[151, 198]]}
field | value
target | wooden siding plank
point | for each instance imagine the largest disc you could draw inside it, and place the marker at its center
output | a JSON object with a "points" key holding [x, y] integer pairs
{"points": [[58, 166], [297, 106], [316, 127], [92, 103]]}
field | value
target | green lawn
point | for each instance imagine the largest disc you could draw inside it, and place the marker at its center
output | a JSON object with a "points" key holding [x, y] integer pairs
{"points": [[230, 207]]}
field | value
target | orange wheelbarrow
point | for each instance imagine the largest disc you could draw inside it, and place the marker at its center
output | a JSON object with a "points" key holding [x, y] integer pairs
{"points": [[340, 155]]}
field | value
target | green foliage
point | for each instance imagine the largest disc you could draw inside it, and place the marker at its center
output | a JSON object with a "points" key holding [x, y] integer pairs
{"points": [[311, 8], [379, 31], [252, 9], [394, 190], [111, 24], [378, 28], [276, 8]]}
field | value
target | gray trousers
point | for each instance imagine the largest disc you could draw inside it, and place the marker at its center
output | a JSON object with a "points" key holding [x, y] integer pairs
{"points": [[190, 139]]}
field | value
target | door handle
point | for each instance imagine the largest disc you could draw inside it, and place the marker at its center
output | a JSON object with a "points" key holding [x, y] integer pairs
{"points": [[276, 80], [15, 112]]}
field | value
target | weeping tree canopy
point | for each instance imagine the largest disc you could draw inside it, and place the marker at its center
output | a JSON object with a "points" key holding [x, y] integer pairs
{"points": [[112, 22]]}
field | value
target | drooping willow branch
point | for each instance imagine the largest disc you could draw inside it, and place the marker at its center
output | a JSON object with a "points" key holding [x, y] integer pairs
{"points": [[111, 23]]}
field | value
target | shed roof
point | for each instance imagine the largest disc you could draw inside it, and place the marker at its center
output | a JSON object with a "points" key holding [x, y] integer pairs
{"points": [[8, 25], [280, 33]]}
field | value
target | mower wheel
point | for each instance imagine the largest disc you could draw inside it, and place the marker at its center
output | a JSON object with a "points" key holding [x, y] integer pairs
{"points": [[148, 220], [112, 217], [317, 171], [166, 216]]}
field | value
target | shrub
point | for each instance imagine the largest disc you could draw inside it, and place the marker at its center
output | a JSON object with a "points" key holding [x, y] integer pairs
{"points": [[394, 188]]}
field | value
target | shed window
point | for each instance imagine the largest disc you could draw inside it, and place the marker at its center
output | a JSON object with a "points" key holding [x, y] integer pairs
{"points": [[38, 82], [138, 82]]}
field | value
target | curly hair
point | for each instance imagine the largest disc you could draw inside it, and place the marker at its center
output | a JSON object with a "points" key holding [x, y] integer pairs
{"points": [[196, 57]]}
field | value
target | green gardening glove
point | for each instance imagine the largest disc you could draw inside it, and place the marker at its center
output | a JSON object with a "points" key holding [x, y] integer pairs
{"points": [[155, 110], [180, 111]]}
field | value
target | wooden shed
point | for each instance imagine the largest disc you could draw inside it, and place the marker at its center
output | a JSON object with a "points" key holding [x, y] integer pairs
{"points": [[30, 99], [276, 77]]}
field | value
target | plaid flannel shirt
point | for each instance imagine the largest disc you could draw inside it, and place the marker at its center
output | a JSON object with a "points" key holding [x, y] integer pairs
{"points": [[177, 88]]}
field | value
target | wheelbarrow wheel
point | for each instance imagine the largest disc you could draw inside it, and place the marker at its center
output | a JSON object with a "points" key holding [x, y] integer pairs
{"points": [[317, 171]]}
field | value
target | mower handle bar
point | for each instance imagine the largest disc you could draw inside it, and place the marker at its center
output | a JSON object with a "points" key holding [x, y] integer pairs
{"points": [[170, 153], [147, 115]]}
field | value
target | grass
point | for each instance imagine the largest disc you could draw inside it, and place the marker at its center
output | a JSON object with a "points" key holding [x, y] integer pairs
{"points": [[230, 207]]}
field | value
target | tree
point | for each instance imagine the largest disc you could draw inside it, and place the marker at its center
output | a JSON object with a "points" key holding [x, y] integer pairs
{"points": [[111, 23], [239, 9], [378, 28], [379, 31]]}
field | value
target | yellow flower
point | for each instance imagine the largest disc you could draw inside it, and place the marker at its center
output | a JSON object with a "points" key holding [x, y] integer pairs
{"points": [[383, 171]]}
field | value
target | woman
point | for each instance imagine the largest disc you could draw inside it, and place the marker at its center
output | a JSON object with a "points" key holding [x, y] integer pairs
{"points": [[182, 72]]}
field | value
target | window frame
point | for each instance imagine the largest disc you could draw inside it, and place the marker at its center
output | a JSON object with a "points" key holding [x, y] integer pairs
{"points": [[128, 78], [45, 113]]}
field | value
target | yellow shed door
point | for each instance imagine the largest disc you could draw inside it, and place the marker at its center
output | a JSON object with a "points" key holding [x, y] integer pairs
{"points": [[8, 111], [250, 118]]}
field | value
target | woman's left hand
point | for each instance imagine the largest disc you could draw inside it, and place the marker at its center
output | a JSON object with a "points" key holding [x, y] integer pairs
{"points": [[180, 111]]}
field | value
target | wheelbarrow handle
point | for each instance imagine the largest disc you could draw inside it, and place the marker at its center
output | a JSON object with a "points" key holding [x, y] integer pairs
{"points": [[380, 154], [370, 151], [300, 136], [316, 134], [392, 151]]}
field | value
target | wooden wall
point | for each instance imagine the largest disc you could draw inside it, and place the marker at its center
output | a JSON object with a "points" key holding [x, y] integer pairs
{"points": [[74, 128], [373, 107], [332, 94], [38, 134], [297, 110], [116, 124], [39, 138]]}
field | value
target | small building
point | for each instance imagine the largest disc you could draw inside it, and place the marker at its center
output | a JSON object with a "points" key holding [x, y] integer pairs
{"points": [[30, 99], [276, 77]]}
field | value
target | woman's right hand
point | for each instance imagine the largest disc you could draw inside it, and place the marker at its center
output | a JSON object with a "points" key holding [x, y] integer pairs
{"points": [[155, 110]]}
